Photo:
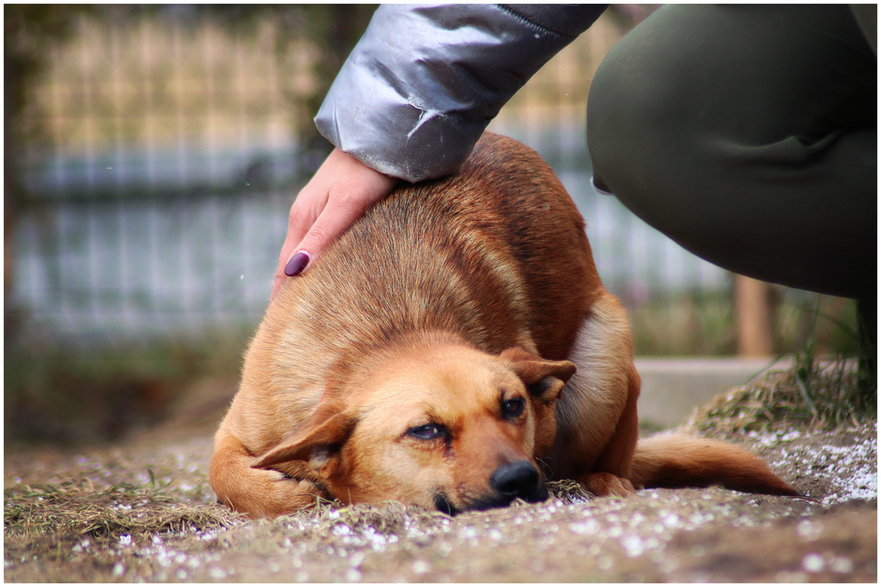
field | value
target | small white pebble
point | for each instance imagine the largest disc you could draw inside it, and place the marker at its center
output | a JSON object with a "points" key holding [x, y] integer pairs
{"points": [[839, 564], [813, 563], [633, 545], [353, 575], [420, 567], [808, 529]]}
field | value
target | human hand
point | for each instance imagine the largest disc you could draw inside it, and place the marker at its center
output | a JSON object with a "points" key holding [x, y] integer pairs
{"points": [[339, 193]]}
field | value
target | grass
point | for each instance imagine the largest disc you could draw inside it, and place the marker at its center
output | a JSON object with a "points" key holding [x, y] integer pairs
{"points": [[692, 323], [69, 394], [143, 511], [78, 507], [824, 396], [703, 324], [71, 512], [824, 390], [83, 529]]}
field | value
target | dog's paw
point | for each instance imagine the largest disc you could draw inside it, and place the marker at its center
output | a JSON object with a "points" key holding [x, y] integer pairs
{"points": [[267, 493], [283, 495], [605, 484]]}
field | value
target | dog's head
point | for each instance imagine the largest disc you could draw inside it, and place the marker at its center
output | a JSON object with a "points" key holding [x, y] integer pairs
{"points": [[450, 428]]}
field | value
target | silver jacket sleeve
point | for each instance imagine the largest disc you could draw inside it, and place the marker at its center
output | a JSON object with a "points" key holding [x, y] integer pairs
{"points": [[423, 82]]}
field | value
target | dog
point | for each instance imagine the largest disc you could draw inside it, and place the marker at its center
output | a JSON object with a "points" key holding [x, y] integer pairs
{"points": [[454, 349]]}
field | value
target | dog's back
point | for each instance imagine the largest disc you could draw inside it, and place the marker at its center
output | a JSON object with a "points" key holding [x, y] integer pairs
{"points": [[482, 253]]}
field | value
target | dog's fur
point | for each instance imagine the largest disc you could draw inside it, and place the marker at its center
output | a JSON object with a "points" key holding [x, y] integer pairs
{"points": [[430, 357]]}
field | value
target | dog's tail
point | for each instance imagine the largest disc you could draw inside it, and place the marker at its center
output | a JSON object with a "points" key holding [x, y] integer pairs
{"points": [[677, 460]]}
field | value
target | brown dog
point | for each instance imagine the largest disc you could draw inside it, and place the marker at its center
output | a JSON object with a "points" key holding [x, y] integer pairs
{"points": [[430, 357]]}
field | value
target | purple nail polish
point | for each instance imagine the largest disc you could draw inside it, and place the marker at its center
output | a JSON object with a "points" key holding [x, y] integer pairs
{"points": [[296, 264]]}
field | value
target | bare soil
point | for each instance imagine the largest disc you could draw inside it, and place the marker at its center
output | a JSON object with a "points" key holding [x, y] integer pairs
{"points": [[143, 511]]}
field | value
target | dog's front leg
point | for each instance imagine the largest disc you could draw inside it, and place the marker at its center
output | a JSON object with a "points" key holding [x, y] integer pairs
{"points": [[612, 476], [258, 493], [612, 467], [597, 413], [604, 484]]}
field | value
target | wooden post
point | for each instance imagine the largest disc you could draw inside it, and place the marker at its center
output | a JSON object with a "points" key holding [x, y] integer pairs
{"points": [[754, 317]]}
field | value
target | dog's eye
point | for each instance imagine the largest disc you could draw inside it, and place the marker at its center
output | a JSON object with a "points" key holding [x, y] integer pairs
{"points": [[511, 408], [428, 432]]}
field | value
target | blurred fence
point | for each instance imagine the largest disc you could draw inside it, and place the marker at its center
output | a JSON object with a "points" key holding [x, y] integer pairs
{"points": [[167, 144]]}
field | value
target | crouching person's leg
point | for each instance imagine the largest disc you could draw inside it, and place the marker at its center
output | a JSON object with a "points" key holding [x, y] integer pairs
{"points": [[748, 135]]}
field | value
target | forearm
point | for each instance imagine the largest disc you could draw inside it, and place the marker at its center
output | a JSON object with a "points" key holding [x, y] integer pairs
{"points": [[424, 81]]}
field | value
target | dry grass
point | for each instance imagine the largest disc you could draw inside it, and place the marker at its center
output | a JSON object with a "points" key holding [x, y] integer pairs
{"points": [[822, 396], [143, 511], [77, 508]]}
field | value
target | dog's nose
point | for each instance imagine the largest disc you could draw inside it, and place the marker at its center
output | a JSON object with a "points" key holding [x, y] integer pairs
{"points": [[518, 479]]}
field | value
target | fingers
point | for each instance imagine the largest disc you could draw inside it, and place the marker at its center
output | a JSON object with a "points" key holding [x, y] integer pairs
{"points": [[305, 210], [343, 208], [339, 193]]}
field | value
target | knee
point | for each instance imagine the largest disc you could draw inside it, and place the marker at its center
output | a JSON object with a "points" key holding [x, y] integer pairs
{"points": [[637, 119]]}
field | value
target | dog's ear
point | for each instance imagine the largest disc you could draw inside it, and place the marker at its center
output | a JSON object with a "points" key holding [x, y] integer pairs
{"points": [[320, 439], [543, 379]]}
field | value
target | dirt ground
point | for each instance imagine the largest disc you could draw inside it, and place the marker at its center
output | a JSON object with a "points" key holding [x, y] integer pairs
{"points": [[143, 511]]}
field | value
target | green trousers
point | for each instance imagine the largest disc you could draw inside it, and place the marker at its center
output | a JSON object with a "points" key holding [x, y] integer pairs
{"points": [[747, 134]]}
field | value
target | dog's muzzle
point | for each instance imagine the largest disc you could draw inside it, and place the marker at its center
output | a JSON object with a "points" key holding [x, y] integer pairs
{"points": [[519, 479]]}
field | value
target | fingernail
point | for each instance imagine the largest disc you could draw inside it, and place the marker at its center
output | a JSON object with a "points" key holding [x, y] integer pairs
{"points": [[296, 264]]}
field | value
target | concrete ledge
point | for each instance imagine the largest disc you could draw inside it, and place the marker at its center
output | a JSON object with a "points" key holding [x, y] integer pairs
{"points": [[673, 387]]}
